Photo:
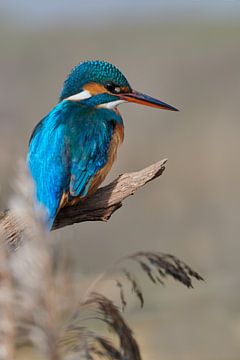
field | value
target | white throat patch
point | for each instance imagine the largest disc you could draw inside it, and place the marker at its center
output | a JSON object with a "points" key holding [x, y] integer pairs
{"points": [[111, 105]]}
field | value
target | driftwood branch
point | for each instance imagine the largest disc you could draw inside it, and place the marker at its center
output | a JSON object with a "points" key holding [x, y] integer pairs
{"points": [[98, 207]]}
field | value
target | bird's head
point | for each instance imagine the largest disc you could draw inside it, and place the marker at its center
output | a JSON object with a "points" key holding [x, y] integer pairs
{"points": [[101, 84]]}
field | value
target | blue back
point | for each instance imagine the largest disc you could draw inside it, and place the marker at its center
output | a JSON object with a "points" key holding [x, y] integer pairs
{"points": [[66, 150]]}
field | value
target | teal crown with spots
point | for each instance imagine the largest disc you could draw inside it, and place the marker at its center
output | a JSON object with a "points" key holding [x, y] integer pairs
{"points": [[97, 71]]}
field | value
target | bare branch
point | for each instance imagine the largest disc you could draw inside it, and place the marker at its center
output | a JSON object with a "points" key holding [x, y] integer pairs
{"points": [[108, 199], [99, 207]]}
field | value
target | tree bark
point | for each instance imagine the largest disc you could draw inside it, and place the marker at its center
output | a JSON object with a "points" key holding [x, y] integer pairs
{"points": [[99, 207]]}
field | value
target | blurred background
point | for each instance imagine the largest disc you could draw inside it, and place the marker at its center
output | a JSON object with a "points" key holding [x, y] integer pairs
{"points": [[186, 53]]}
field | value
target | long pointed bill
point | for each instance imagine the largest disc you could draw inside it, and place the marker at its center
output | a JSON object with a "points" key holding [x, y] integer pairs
{"points": [[139, 98]]}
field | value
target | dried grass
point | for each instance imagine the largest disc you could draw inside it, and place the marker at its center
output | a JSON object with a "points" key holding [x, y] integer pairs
{"points": [[33, 307]]}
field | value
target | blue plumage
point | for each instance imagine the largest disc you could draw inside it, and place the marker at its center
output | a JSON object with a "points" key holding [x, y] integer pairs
{"points": [[48, 161], [73, 148], [66, 150]]}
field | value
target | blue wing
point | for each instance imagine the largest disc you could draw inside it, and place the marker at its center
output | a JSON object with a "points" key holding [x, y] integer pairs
{"points": [[48, 163], [66, 150], [89, 151]]}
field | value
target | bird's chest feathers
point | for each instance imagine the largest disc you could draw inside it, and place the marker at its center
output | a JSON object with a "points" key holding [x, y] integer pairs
{"points": [[117, 139]]}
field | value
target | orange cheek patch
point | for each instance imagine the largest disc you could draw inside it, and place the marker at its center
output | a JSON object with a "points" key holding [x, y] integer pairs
{"points": [[95, 88]]}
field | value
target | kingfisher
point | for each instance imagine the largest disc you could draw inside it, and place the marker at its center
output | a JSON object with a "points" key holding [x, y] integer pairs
{"points": [[72, 149]]}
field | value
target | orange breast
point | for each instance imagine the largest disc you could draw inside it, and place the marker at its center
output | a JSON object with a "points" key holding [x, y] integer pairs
{"points": [[100, 176]]}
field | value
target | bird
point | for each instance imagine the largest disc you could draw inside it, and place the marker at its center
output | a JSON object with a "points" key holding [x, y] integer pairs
{"points": [[72, 149]]}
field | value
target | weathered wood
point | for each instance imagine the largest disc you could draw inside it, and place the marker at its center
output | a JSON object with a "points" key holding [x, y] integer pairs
{"points": [[99, 207]]}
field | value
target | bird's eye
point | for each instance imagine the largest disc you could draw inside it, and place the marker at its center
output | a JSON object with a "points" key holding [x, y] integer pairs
{"points": [[114, 89]]}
